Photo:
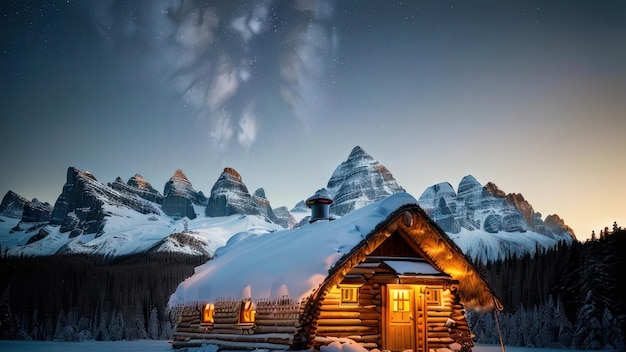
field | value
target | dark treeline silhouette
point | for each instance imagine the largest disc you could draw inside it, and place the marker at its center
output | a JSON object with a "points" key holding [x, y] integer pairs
{"points": [[570, 296], [77, 297]]}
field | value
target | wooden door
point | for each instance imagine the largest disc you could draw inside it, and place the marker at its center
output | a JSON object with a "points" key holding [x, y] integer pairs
{"points": [[404, 328]]}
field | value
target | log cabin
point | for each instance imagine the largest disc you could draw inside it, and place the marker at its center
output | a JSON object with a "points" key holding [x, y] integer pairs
{"points": [[384, 276]]}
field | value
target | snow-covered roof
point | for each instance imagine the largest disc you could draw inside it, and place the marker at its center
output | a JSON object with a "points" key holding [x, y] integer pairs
{"points": [[285, 263], [403, 267]]}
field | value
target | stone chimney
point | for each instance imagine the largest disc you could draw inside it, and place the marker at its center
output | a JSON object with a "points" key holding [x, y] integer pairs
{"points": [[320, 205]]}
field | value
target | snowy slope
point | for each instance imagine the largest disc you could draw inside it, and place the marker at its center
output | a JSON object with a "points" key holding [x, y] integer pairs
{"points": [[482, 246], [128, 232], [98, 219]]}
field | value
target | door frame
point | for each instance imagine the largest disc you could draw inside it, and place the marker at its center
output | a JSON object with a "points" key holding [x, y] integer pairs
{"points": [[419, 341]]}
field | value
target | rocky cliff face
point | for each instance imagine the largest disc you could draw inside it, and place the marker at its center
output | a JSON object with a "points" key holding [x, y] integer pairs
{"points": [[179, 185], [36, 211], [359, 181], [230, 195], [12, 205], [139, 186], [264, 206], [80, 205], [284, 218], [486, 208], [180, 196]]}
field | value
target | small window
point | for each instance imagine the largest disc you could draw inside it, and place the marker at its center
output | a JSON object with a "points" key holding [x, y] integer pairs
{"points": [[208, 314], [349, 295], [247, 313], [401, 300]]}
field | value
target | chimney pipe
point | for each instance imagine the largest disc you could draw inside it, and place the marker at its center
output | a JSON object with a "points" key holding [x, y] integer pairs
{"points": [[320, 205]]}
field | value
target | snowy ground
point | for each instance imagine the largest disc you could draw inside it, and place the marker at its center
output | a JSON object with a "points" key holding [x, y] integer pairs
{"points": [[162, 346]]}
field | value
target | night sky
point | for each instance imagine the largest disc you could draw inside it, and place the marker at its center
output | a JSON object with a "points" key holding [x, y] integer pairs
{"points": [[530, 95]]}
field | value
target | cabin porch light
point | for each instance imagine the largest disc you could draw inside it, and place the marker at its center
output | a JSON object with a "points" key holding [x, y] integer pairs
{"points": [[208, 314]]}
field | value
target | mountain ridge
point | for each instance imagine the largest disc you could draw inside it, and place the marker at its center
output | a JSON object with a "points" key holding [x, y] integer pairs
{"points": [[484, 219]]}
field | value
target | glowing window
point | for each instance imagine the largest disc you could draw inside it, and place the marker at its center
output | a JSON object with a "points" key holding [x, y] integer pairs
{"points": [[349, 295], [401, 300], [208, 314], [246, 313]]}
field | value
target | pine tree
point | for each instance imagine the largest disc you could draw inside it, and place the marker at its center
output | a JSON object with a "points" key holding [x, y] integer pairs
{"points": [[153, 324], [588, 333], [116, 327], [613, 333]]}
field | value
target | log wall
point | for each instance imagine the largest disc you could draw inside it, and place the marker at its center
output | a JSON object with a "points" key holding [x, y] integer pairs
{"points": [[360, 322], [446, 323], [276, 324]]}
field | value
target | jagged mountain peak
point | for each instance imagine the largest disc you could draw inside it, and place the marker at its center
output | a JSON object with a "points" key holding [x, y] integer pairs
{"points": [[358, 181], [179, 174], [140, 182], [229, 195], [432, 194], [137, 185], [494, 190], [359, 153], [260, 193], [176, 189], [500, 223], [469, 184], [73, 172], [555, 222], [232, 172], [82, 203], [12, 205]]}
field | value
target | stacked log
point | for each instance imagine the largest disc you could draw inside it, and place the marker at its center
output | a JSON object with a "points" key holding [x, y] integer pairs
{"points": [[277, 316], [226, 317], [447, 323], [276, 323], [360, 322], [460, 332], [188, 322]]}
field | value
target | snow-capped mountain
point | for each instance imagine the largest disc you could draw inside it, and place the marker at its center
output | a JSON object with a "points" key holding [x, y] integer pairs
{"points": [[127, 232], [123, 218], [81, 205], [358, 181], [180, 196], [487, 223], [230, 195], [12, 205], [139, 186], [116, 219]]}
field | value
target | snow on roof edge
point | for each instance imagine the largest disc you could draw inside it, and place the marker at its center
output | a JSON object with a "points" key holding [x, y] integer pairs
{"points": [[285, 263]]}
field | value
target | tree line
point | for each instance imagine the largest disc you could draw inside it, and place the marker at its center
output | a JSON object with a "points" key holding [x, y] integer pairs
{"points": [[81, 297], [570, 296]]}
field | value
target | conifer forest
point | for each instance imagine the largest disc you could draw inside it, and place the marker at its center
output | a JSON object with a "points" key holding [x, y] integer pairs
{"points": [[571, 296]]}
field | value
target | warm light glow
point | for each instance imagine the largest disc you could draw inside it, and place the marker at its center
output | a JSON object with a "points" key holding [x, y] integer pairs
{"points": [[401, 300], [247, 312], [208, 314], [349, 294]]}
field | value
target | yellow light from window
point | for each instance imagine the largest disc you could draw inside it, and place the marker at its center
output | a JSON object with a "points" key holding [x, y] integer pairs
{"points": [[208, 314]]}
